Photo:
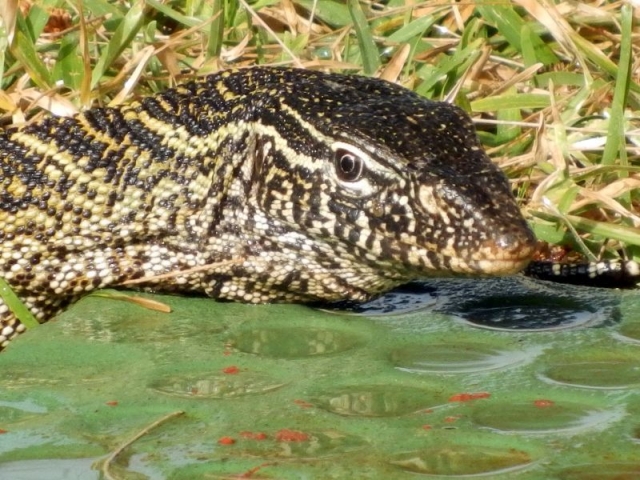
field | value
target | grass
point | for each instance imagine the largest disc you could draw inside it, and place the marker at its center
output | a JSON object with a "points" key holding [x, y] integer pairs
{"points": [[553, 86]]}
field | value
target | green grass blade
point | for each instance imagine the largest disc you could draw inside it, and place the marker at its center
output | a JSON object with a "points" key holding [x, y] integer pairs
{"points": [[520, 101], [512, 26], [334, 13], [368, 48], [532, 47], [506, 132], [24, 49], [447, 69], [595, 55], [4, 45], [100, 8], [16, 306], [627, 235], [412, 29], [177, 16], [216, 29], [616, 131], [69, 66], [122, 37]]}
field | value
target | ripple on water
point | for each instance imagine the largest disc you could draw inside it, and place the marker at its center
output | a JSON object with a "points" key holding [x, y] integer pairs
{"points": [[293, 342], [298, 443], [408, 298], [601, 471], [629, 332], [457, 358], [463, 460], [10, 415], [215, 385], [608, 372], [528, 313], [147, 327], [378, 400], [541, 416], [27, 405]]}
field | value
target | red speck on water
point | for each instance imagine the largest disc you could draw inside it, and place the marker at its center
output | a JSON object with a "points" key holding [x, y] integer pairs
{"points": [[2, 430], [427, 427], [226, 441], [542, 403], [286, 435], [231, 370], [451, 419], [303, 403], [249, 473], [465, 397], [112, 403], [428, 410]]}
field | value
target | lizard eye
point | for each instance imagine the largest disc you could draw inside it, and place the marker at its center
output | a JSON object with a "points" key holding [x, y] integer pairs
{"points": [[349, 166]]}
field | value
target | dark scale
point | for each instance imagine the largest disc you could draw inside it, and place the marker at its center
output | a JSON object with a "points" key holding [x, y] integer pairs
{"points": [[333, 187], [156, 109]]}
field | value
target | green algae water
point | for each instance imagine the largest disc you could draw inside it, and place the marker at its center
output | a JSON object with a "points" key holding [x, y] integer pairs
{"points": [[494, 379]]}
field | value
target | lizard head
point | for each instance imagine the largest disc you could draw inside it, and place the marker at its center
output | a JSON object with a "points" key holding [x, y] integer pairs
{"points": [[376, 182]]}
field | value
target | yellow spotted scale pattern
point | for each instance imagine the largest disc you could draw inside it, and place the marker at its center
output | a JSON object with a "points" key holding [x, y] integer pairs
{"points": [[259, 185]]}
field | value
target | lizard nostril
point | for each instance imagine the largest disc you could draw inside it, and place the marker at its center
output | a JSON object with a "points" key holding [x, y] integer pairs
{"points": [[518, 243]]}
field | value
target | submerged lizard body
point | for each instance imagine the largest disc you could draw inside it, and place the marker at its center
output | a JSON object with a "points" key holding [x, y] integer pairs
{"points": [[261, 185]]}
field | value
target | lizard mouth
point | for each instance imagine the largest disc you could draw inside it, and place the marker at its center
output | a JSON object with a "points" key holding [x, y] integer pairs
{"points": [[430, 263], [507, 254], [504, 256], [505, 266]]}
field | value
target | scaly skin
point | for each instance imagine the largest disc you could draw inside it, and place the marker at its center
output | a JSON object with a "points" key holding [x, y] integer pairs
{"points": [[319, 186]]}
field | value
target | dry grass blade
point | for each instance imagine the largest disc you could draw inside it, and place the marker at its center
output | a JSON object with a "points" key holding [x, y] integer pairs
{"points": [[122, 38], [140, 61], [392, 70], [49, 101], [547, 14], [106, 465], [238, 51], [8, 16], [519, 78], [85, 85], [6, 102], [606, 198], [134, 299], [294, 58]]}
